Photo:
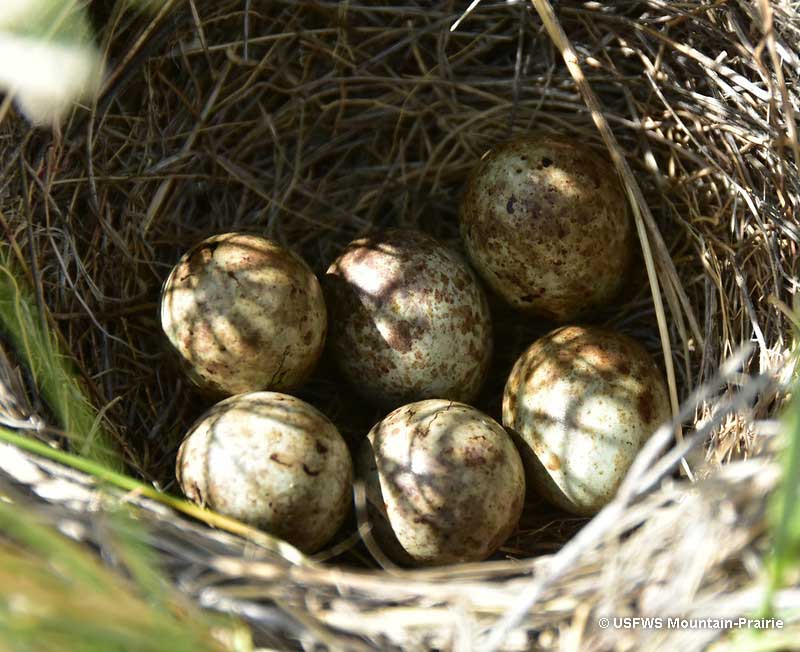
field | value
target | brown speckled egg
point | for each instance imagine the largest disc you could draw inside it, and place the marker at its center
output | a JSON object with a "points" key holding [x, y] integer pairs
{"points": [[583, 401], [272, 461], [545, 222], [444, 483], [244, 314], [409, 319]]}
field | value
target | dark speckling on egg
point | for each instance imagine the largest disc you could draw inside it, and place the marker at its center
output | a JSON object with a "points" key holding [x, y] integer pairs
{"points": [[552, 211], [243, 314], [272, 461], [450, 481], [582, 402], [409, 319]]}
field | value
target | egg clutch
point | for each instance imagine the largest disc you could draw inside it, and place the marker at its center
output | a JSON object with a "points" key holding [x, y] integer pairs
{"points": [[544, 224]]}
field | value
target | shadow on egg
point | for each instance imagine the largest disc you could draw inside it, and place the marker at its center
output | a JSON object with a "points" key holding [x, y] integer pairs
{"points": [[409, 319], [272, 461], [581, 402], [448, 497], [242, 313]]}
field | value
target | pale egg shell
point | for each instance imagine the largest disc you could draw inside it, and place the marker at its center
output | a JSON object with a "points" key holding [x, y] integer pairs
{"points": [[409, 319], [545, 222], [583, 401], [272, 461], [244, 314], [444, 482]]}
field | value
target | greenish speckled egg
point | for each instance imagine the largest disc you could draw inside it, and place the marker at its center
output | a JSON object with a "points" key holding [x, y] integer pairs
{"points": [[545, 222], [244, 314], [409, 319], [583, 401], [272, 461], [444, 481]]}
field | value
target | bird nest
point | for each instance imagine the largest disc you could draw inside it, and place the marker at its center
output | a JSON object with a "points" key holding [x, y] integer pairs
{"points": [[314, 122]]}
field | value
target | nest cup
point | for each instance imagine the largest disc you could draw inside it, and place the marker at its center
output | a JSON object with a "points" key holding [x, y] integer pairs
{"points": [[314, 123]]}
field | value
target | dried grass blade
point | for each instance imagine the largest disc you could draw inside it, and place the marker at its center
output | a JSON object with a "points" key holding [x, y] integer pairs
{"points": [[638, 204]]}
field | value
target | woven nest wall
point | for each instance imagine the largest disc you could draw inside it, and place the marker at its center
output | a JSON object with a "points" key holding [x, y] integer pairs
{"points": [[316, 122]]}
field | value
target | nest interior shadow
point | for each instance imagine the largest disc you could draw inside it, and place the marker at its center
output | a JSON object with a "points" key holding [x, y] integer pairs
{"points": [[314, 123]]}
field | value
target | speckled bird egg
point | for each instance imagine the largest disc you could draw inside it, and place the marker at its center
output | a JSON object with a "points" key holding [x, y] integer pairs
{"points": [[444, 482], [545, 222], [272, 461], [583, 401], [409, 319], [244, 314]]}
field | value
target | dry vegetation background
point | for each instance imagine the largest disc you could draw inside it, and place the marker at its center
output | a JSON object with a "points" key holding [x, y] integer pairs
{"points": [[314, 122]]}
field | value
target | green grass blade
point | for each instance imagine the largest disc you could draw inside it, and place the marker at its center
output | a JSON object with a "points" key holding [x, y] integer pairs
{"points": [[122, 481], [786, 503], [52, 370], [56, 596]]}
